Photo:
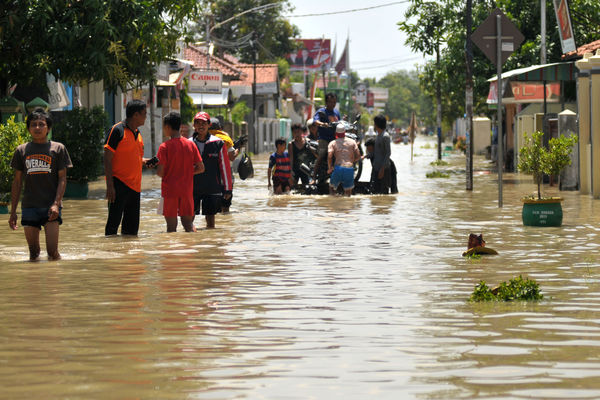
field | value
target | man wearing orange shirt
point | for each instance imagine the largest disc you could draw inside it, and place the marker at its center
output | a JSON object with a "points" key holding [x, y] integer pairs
{"points": [[123, 160]]}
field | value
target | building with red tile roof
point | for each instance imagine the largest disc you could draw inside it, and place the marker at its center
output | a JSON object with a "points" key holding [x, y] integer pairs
{"points": [[586, 48], [199, 56]]}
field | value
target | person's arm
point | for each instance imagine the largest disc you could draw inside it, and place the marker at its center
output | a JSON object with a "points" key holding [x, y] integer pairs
{"points": [[110, 185], [60, 191], [357, 155], [269, 176], [330, 158], [291, 155], [198, 167], [15, 193], [160, 170]]}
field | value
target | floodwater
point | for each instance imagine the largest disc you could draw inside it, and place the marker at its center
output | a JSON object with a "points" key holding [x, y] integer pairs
{"points": [[309, 297]]}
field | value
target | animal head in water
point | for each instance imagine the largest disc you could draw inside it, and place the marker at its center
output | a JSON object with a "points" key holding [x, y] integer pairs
{"points": [[475, 240]]}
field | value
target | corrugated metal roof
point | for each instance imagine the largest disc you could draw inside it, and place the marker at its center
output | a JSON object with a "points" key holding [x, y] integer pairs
{"points": [[562, 71]]}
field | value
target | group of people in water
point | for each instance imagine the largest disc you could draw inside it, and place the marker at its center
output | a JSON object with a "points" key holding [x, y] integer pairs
{"points": [[196, 174]]}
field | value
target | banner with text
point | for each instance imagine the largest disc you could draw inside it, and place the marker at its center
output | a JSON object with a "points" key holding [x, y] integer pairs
{"points": [[203, 81]]}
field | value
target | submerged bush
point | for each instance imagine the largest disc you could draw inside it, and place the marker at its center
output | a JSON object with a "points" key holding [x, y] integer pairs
{"points": [[516, 289], [438, 163], [437, 174]]}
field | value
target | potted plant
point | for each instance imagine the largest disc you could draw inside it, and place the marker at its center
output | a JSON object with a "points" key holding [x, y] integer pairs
{"points": [[82, 132], [535, 159], [12, 134]]}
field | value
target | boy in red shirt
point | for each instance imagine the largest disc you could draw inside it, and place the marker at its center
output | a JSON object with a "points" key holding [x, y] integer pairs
{"points": [[179, 160]]}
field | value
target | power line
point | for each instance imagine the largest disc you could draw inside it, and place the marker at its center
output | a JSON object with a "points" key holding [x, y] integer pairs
{"points": [[382, 66], [396, 58], [348, 11]]}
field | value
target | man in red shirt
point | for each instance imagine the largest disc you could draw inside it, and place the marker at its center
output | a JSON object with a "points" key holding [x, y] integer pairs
{"points": [[179, 161]]}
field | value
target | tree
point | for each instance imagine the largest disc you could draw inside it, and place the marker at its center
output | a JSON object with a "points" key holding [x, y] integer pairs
{"points": [[526, 15], [273, 32], [405, 96], [426, 35], [116, 41]]}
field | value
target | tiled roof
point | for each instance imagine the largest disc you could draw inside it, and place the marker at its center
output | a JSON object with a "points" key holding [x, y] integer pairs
{"points": [[586, 48], [199, 57], [265, 73]]}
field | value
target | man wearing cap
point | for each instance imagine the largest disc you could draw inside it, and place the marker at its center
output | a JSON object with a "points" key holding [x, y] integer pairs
{"points": [[345, 151], [216, 181]]}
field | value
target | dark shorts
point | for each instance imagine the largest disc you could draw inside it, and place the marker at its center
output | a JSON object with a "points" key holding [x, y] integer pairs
{"points": [[226, 202], [38, 217], [283, 182], [211, 204]]}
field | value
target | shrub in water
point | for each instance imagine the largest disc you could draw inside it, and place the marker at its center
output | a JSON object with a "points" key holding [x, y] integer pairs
{"points": [[516, 289]]}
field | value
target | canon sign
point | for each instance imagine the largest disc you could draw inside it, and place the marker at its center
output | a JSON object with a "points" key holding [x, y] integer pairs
{"points": [[201, 81]]}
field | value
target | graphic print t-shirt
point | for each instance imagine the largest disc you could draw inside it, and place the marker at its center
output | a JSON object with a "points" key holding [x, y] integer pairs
{"points": [[40, 163]]}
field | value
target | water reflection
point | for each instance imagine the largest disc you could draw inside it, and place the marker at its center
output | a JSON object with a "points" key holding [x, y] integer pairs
{"points": [[309, 297]]}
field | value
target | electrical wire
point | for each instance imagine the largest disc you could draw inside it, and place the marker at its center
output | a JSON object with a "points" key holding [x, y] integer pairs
{"points": [[389, 64], [348, 11], [396, 58]]}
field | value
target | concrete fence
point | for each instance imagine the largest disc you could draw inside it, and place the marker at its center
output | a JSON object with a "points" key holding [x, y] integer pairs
{"points": [[270, 129]]}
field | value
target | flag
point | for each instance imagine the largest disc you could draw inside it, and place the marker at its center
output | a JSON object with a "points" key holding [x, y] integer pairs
{"points": [[344, 62]]}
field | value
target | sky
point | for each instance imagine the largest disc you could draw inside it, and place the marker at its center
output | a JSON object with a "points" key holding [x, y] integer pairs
{"points": [[376, 45]]}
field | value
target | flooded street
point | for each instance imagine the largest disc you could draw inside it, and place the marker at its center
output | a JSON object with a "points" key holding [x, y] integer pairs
{"points": [[309, 297]]}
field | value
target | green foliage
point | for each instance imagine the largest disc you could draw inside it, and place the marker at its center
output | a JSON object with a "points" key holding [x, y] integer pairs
{"points": [[12, 134], [437, 174], [274, 33], [82, 132], [114, 41], [516, 289], [283, 68], [421, 28], [406, 96], [438, 163], [187, 108], [482, 292], [535, 159], [239, 112]]}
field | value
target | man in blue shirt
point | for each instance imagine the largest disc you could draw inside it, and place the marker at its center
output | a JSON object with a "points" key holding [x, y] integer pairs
{"points": [[323, 117]]}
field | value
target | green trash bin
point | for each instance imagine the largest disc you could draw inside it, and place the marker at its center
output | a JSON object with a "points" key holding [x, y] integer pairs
{"points": [[545, 212]]}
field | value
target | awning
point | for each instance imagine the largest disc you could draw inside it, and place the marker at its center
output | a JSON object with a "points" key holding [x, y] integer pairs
{"points": [[555, 72], [211, 99], [172, 79]]}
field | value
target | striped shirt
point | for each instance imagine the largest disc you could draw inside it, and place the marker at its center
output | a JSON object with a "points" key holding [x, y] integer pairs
{"points": [[281, 162]]}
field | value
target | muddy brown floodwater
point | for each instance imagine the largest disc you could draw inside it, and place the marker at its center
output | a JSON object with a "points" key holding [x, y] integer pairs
{"points": [[309, 297]]}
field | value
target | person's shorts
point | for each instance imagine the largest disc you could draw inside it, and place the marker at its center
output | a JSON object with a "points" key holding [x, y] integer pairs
{"points": [[226, 202], [343, 175], [38, 217], [178, 206], [211, 204], [283, 182]]}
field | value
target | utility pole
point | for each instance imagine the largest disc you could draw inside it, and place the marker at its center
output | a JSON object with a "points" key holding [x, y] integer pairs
{"points": [[438, 95], [469, 95], [252, 138], [543, 32], [207, 42]]}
